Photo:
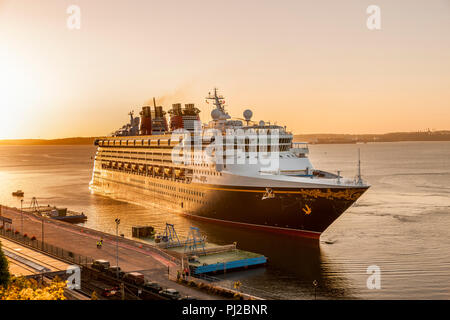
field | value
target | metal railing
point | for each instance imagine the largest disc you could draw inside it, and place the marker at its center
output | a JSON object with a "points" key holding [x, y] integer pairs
{"points": [[223, 283], [9, 232], [69, 254], [63, 254], [230, 284]]}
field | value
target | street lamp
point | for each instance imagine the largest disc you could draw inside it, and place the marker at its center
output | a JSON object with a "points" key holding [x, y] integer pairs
{"points": [[42, 238], [117, 246], [21, 215], [315, 284]]}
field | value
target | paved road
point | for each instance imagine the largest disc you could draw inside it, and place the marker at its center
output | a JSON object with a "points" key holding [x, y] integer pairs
{"points": [[132, 255], [27, 258]]}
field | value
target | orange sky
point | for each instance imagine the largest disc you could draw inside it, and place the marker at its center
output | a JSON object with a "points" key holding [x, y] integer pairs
{"points": [[311, 65]]}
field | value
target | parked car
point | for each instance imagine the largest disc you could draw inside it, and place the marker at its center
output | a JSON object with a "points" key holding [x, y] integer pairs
{"points": [[188, 298], [152, 286], [193, 259], [100, 265], [170, 293], [136, 278], [112, 271], [110, 292]]}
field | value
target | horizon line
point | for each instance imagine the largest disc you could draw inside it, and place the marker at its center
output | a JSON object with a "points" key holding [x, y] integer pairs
{"points": [[294, 134]]}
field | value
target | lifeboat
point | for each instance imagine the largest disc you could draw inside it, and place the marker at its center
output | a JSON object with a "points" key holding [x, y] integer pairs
{"points": [[168, 171], [133, 167], [179, 172], [141, 167]]}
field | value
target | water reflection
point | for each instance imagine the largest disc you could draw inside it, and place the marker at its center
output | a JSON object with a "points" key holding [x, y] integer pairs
{"points": [[294, 263], [401, 224]]}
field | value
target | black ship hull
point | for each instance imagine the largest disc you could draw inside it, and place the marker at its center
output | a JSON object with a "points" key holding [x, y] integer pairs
{"points": [[305, 212], [301, 212]]}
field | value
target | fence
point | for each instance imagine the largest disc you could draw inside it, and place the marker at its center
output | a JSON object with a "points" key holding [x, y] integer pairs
{"points": [[69, 256], [231, 284], [222, 283], [88, 231], [10, 232]]}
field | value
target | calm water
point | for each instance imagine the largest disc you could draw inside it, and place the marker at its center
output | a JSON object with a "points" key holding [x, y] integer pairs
{"points": [[402, 224]]}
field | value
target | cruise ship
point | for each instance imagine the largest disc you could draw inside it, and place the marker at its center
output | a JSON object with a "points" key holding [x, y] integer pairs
{"points": [[233, 171]]}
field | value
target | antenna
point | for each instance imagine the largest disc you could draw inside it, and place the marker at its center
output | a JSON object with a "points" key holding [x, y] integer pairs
{"points": [[154, 102]]}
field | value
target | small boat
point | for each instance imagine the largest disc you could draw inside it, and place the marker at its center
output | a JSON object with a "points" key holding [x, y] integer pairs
{"points": [[73, 218], [18, 193]]}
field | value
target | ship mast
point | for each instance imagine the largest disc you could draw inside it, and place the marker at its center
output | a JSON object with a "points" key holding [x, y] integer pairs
{"points": [[131, 113], [359, 181], [218, 100]]}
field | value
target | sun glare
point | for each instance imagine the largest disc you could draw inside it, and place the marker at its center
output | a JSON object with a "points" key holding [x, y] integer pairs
{"points": [[19, 92]]}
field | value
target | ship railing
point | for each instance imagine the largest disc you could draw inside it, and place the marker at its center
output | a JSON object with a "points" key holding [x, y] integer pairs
{"points": [[300, 148], [300, 144], [348, 181]]}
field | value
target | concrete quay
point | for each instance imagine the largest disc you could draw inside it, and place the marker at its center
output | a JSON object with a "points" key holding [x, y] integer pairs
{"points": [[153, 262]]}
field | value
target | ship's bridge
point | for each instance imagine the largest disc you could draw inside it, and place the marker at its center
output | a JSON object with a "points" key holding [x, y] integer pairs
{"points": [[300, 149]]}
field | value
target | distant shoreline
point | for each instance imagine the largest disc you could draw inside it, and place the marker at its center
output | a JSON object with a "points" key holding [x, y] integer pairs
{"points": [[365, 138], [48, 142], [320, 138]]}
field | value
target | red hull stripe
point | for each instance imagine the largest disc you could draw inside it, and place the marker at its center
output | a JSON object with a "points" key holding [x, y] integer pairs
{"points": [[292, 232]]}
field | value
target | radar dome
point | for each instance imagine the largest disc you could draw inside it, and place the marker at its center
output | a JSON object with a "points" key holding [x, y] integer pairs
{"points": [[215, 114], [248, 114], [262, 123]]}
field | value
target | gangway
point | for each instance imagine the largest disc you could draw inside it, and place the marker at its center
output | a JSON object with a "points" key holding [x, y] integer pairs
{"points": [[194, 240], [34, 206], [170, 236]]}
